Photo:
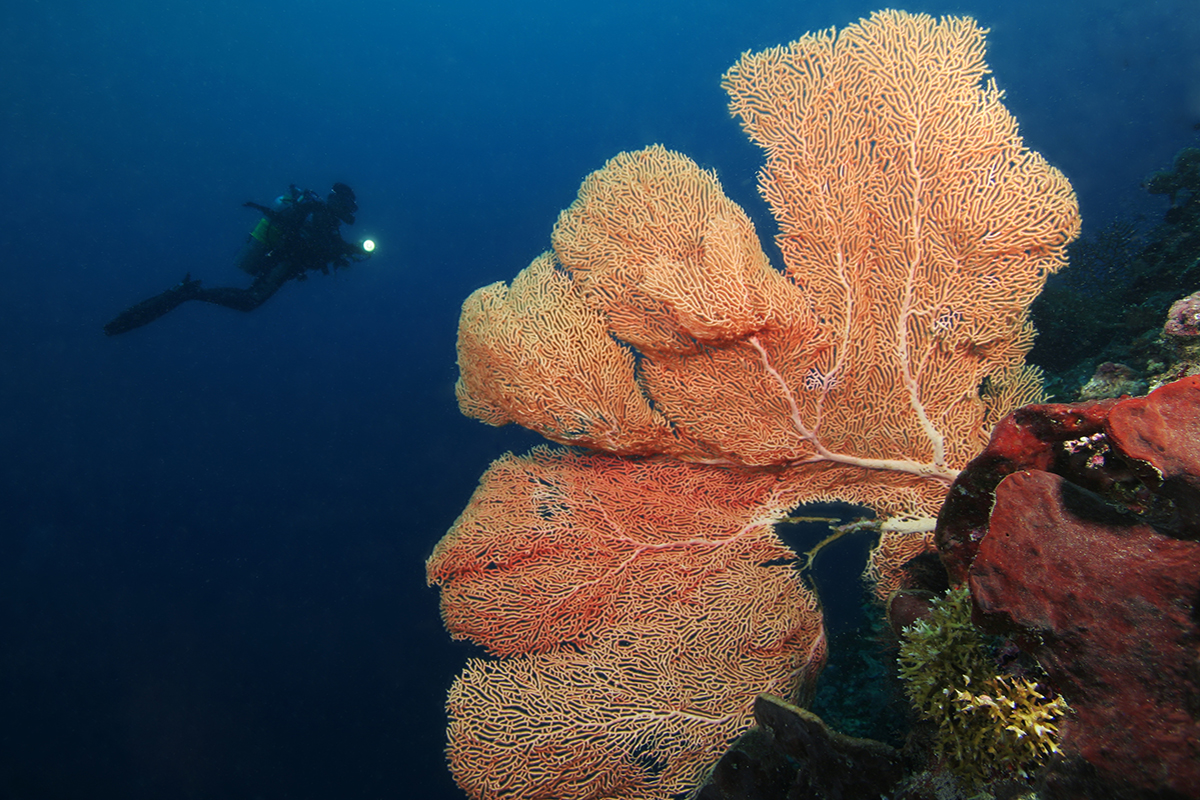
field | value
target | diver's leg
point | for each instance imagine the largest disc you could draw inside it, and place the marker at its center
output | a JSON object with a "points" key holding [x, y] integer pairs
{"points": [[147, 311], [238, 299], [252, 297]]}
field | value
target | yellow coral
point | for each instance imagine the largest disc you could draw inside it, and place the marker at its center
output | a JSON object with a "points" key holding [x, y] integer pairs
{"points": [[988, 725]]}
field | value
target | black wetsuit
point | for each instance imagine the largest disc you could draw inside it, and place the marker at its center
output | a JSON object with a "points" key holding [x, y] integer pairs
{"points": [[310, 241]]}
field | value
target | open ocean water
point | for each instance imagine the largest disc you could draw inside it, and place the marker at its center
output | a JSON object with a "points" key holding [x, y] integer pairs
{"points": [[213, 529]]}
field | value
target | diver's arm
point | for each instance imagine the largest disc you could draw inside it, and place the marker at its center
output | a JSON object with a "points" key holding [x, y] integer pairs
{"points": [[269, 213], [348, 253], [292, 215]]}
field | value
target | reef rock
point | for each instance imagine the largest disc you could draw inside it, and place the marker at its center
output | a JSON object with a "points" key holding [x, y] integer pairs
{"points": [[792, 754], [1078, 531], [1183, 319], [1112, 380]]}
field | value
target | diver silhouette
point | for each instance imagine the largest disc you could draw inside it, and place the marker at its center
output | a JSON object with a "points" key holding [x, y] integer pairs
{"points": [[299, 233]]}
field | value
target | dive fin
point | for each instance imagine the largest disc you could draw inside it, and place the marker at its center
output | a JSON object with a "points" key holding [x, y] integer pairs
{"points": [[147, 311]]}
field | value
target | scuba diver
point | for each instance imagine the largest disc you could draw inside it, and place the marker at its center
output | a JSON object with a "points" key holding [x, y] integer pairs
{"points": [[297, 234]]}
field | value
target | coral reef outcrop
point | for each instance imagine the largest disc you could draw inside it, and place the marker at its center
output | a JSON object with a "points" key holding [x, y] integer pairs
{"points": [[1078, 532]]}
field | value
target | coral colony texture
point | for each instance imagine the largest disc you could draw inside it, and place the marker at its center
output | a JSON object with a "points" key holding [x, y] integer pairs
{"points": [[635, 599], [989, 725]]}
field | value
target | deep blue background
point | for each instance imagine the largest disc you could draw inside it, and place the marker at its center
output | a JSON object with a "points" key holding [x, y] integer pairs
{"points": [[212, 529]]}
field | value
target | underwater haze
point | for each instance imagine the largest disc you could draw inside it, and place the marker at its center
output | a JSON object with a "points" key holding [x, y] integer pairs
{"points": [[214, 527]]}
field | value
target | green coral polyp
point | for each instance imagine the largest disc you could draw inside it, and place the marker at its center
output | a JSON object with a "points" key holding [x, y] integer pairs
{"points": [[989, 725]]}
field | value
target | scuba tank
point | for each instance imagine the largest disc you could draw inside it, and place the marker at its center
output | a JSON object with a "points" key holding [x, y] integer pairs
{"points": [[270, 230]]}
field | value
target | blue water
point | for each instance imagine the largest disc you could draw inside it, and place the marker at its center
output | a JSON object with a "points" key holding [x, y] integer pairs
{"points": [[212, 529]]}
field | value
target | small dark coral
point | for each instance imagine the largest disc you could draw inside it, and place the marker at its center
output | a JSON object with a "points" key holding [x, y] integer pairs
{"points": [[792, 754]]}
